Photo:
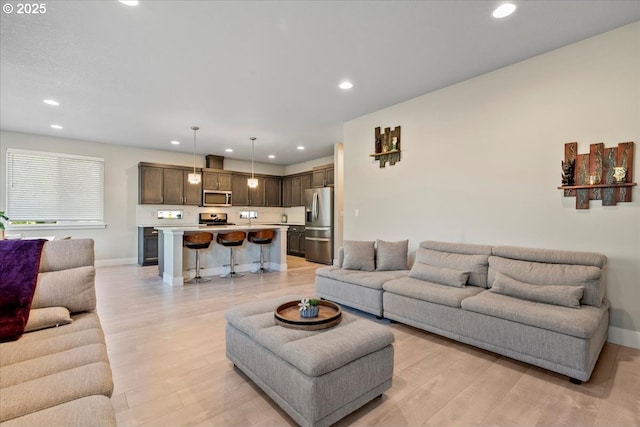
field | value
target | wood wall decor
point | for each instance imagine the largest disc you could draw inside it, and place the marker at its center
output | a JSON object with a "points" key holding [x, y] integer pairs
{"points": [[387, 146], [593, 174]]}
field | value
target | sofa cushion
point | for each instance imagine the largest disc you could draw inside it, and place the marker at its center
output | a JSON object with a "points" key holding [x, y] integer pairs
{"points": [[49, 317], [73, 288], [581, 323], [359, 255], [552, 256], [61, 387], [431, 292], [476, 265], [94, 411], [545, 274], [373, 280], [440, 275], [567, 296], [391, 255]]}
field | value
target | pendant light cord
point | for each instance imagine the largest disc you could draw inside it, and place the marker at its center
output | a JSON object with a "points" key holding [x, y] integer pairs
{"points": [[195, 128]]}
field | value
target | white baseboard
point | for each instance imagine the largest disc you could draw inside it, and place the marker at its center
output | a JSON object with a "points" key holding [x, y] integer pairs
{"points": [[115, 261], [625, 337]]}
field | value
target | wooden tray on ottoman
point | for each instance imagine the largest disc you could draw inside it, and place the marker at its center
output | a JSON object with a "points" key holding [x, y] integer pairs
{"points": [[288, 315]]}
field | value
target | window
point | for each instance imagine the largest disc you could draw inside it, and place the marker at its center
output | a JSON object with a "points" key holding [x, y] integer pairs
{"points": [[54, 189]]}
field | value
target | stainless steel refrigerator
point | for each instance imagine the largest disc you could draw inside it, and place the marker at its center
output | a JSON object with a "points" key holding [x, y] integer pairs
{"points": [[318, 239]]}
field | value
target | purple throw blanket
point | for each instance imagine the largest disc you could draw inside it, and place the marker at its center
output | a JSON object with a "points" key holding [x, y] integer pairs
{"points": [[19, 265]]}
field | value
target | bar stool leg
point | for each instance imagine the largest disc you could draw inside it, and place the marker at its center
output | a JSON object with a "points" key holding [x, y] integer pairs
{"points": [[261, 269], [232, 270], [198, 278]]}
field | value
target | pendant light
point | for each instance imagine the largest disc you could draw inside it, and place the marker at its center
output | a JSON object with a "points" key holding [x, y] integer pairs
{"points": [[194, 178], [252, 182]]}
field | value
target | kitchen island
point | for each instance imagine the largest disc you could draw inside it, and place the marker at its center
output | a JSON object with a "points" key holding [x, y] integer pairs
{"points": [[176, 263]]}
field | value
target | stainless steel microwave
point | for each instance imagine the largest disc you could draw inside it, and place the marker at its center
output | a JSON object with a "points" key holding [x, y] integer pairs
{"points": [[216, 198]]}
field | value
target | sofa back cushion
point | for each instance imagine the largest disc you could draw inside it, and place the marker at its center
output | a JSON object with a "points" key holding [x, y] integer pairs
{"points": [[457, 256], [440, 275], [391, 255], [359, 255], [548, 274], [566, 296]]}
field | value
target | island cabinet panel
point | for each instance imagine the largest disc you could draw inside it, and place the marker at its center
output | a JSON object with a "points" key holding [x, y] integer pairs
{"points": [[150, 185]]}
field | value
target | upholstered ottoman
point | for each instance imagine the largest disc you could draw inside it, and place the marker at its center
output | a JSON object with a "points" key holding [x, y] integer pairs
{"points": [[317, 377]]}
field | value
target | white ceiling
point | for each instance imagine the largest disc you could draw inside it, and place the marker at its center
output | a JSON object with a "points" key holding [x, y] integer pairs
{"points": [[142, 76]]}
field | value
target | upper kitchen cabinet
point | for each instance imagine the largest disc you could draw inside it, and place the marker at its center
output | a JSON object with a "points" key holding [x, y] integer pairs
{"points": [[167, 185], [323, 176], [267, 193], [293, 188], [216, 180], [150, 180], [256, 195], [240, 189], [273, 191]]}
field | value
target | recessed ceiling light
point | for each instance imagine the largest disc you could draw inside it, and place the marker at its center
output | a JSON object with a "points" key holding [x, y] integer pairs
{"points": [[300, 147], [56, 127], [174, 142], [504, 10], [346, 85], [51, 102], [271, 156], [229, 150], [129, 2]]}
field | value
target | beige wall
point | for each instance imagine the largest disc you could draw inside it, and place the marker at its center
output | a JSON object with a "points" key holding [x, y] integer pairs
{"points": [[481, 162]]}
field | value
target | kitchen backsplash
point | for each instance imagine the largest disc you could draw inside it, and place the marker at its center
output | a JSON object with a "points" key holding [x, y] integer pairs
{"points": [[148, 214]]}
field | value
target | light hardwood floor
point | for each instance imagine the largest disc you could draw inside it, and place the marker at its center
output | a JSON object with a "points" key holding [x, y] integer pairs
{"points": [[167, 351]]}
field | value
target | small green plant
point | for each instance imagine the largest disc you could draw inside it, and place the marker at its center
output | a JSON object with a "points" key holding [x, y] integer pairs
{"points": [[307, 303]]}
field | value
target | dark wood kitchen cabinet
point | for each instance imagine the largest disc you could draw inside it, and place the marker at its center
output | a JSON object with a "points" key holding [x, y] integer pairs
{"points": [[273, 191], [150, 180], [295, 240], [293, 188], [240, 190], [323, 176], [167, 185], [147, 246], [216, 180]]}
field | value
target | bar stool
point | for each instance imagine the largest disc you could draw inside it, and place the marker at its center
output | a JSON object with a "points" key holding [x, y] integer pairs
{"points": [[198, 241], [231, 240], [262, 238]]}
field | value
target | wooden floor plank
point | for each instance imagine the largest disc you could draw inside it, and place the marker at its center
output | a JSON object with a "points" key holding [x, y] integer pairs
{"points": [[167, 352]]}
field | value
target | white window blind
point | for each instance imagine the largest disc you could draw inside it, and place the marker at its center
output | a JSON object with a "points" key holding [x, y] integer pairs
{"points": [[54, 187]]}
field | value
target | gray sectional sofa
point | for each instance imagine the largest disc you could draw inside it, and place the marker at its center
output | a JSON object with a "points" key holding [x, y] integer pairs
{"points": [[544, 307], [58, 373]]}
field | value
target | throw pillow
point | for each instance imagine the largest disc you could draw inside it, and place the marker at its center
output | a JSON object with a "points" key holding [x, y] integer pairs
{"points": [[18, 276], [567, 296], [359, 255], [391, 255], [440, 275], [50, 317]]}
